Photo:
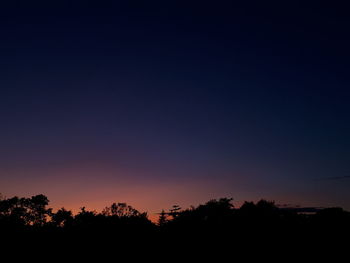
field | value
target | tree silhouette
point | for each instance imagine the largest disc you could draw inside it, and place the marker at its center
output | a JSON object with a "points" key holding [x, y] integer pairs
{"points": [[122, 210], [26, 211], [174, 211], [38, 212], [163, 218], [62, 217]]}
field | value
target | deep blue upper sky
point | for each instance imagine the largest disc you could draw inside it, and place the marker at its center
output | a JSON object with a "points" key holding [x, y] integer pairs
{"points": [[252, 98]]}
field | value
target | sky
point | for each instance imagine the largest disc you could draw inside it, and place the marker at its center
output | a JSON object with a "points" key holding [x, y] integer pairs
{"points": [[156, 103]]}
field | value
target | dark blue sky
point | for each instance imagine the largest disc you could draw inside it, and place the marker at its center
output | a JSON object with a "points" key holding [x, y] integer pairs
{"points": [[175, 101]]}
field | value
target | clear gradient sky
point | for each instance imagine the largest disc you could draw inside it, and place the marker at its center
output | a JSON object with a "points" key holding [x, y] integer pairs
{"points": [[161, 102]]}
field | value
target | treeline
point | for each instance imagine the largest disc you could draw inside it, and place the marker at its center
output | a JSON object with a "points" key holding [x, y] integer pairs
{"points": [[216, 215], [214, 227], [33, 214]]}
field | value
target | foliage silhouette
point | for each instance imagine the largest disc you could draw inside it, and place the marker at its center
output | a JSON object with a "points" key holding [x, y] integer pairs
{"points": [[215, 225]]}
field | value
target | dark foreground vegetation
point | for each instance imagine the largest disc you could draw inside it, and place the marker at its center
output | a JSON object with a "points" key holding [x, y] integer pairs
{"points": [[216, 224]]}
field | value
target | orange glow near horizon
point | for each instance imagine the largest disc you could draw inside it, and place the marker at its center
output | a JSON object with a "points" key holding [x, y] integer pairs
{"points": [[73, 193], [73, 187]]}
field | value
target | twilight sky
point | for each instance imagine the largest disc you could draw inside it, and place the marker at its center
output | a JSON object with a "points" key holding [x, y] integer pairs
{"points": [[156, 103]]}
